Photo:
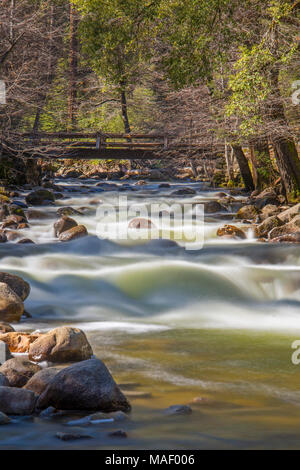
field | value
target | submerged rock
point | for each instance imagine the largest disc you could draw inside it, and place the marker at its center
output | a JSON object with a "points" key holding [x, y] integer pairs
{"points": [[16, 401], [73, 233], [62, 344], [184, 192], [211, 207], [178, 410], [140, 222], [39, 197], [64, 224], [87, 385], [4, 419], [11, 306], [18, 371]]}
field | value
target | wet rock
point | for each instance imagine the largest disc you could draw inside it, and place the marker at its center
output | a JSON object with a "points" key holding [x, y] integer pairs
{"points": [[11, 235], [288, 238], [141, 223], [18, 371], [211, 207], [247, 212], [22, 226], [119, 434], [6, 327], [16, 283], [184, 192], [230, 231], [87, 385], [11, 306], [62, 344], [65, 436], [26, 241], [266, 226], [288, 214], [35, 214], [3, 380], [3, 418], [291, 227], [64, 224], [268, 211], [3, 237], [40, 381], [74, 233], [18, 342], [178, 410], [67, 211], [16, 401], [39, 197], [4, 352], [266, 197]]}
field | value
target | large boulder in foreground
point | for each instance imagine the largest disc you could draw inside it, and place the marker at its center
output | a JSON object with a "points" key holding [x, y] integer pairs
{"points": [[39, 197], [40, 381], [73, 233], [17, 284], [87, 385], [290, 227], [63, 224], [17, 401], [288, 215], [11, 306], [63, 344], [18, 371]]}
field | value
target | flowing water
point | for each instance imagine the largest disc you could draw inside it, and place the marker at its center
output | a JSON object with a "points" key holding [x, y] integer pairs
{"points": [[216, 323]]}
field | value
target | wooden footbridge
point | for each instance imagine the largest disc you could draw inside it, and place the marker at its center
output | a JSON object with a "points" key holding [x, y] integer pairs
{"points": [[96, 146], [104, 146]]}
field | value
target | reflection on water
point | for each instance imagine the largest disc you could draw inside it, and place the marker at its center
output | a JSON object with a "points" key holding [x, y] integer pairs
{"points": [[217, 323]]}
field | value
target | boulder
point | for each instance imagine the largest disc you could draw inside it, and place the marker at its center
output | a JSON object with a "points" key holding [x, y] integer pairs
{"points": [[18, 371], [287, 215], [87, 385], [11, 306], [26, 241], [64, 224], [40, 381], [140, 222], [6, 327], [62, 344], [4, 352], [230, 231], [184, 192], [262, 230], [288, 238], [17, 284], [66, 211], [247, 212], [3, 381], [266, 197], [17, 401], [211, 207], [18, 342], [74, 233], [291, 227], [268, 211], [35, 214], [39, 197]]}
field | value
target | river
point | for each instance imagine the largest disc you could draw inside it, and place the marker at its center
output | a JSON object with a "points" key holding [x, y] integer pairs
{"points": [[215, 323]]}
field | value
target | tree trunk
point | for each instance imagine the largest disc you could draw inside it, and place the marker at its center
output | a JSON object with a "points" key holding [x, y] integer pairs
{"points": [[261, 163], [73, 68], [124, 109], [244, 167], [229, 162]]}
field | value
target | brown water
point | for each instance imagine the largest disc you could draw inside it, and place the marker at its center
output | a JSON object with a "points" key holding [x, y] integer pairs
{"points": [[217, 323]]}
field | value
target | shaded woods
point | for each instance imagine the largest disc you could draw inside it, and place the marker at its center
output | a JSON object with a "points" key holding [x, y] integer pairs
{"points": [[218, 75]]}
